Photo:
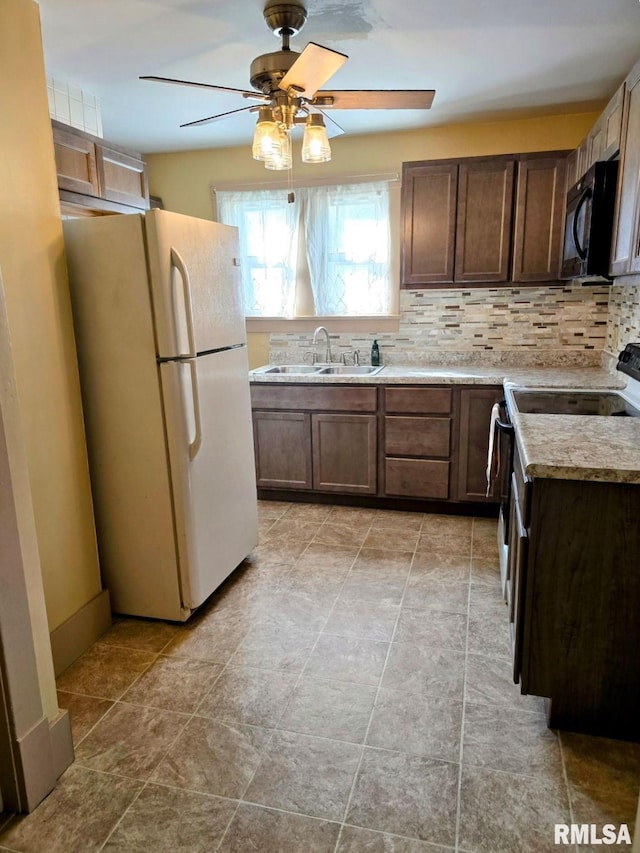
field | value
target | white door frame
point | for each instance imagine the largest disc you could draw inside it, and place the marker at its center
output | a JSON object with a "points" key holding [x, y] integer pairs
{"points": [[35, 738]]}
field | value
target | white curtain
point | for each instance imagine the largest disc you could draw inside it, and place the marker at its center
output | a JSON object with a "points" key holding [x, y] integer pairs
{"points": [[268, 229], [346, 232]]}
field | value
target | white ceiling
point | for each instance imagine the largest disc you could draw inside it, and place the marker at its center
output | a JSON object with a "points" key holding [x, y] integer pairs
{"points": [[490, 58]]}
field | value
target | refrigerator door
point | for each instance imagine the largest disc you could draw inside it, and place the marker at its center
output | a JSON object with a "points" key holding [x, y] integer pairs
{"points": [[210, 441], [195, 284]]}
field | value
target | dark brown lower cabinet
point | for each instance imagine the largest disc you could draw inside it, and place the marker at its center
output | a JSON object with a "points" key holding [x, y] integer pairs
{"points": [[330, 451], [396, 441], [475, 413], [282, 443], [417, 442], [344, 453], [575, 590]]}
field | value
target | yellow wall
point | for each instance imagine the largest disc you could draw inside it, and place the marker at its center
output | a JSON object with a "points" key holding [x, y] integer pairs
{"points": [[183, 179], [40, 324]]}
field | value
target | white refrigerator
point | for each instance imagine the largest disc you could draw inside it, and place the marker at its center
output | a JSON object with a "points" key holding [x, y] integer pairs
{"points": [[160, 332]]}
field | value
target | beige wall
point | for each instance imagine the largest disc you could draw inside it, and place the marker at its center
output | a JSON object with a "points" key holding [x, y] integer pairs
{"points": [[39, 317], [183, 179]]}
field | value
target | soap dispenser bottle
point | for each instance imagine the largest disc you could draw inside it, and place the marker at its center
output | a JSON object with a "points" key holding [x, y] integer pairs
{"points": [[375, 354]]}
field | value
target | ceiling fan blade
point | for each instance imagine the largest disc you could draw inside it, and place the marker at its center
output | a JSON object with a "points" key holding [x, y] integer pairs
{"points": [[210, 119], [372, 99], [312, 69], [332, 127], [242, 92]]}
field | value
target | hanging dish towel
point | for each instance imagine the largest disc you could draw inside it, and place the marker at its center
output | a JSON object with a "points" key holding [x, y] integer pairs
{"points": [[493, 455]]}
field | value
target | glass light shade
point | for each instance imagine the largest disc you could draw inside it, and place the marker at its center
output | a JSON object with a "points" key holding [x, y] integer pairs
{"points": [[266, 137], [315, 143], [280, 159]]}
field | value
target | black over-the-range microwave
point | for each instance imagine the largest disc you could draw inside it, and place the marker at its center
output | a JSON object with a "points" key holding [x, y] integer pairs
{"points": [[589, 223]]}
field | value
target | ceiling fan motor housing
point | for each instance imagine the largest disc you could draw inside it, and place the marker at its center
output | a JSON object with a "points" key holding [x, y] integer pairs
{"points": [[268, 70], [285, 18]]}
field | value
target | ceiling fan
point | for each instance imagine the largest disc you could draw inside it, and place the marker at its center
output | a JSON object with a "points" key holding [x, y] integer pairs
{"points": [[287, 87]]}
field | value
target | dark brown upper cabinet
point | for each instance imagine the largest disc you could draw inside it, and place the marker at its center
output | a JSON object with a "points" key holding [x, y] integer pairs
{"points": [[539, 213], [456, 220], [429, 194], [483, 220]]}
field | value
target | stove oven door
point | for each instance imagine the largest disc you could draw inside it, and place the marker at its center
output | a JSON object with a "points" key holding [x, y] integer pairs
{"points": [[507, 441]]}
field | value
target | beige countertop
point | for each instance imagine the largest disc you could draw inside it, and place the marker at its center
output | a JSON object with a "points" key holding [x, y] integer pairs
{"points": [[572, 377], [578, 447], [570, 447]]}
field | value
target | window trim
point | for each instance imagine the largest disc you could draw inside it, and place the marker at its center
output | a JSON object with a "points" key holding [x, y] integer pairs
{"points": [[373, 323], [360, 323]]}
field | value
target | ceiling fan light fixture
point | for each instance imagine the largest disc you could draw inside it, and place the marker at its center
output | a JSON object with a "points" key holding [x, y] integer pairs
{"points": [[266, 136], [281, 157], [315, 143]]}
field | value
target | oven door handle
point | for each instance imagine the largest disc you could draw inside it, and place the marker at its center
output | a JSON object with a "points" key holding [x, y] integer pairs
{"points": [[504, 427]]}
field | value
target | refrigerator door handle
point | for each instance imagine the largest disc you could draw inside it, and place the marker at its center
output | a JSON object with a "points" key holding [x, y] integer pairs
{"points": [[181, 267], [194, 446]]}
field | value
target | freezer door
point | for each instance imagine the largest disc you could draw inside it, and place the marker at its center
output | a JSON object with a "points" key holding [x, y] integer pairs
{"points": [[208, 418], [195, 284]]}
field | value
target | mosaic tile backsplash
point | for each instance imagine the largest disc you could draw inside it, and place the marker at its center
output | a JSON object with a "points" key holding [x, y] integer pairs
{"points": [[624, 315], [564, 324]]}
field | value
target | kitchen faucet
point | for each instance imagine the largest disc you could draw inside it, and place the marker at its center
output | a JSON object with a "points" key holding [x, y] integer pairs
{"points": [[315, 339]]}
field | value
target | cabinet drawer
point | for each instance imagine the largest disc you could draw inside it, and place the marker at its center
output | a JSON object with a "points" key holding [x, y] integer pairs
{"points": [[417, 436], [314, 397], [433, 401], [417, 478]]}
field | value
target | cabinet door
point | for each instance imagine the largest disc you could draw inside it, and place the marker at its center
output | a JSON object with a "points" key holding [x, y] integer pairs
{"points": [[428, 223], [344, 453], [483, 229], [282, 443], [625, 256], [572, 171], [473, 445], [612, 125], [538, 227], [122, 177], [75, 162], [582, 163], [595, 142]]}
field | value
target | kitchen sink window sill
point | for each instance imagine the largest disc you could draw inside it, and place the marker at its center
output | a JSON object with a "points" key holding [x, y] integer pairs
{"points": [[386, 323]]}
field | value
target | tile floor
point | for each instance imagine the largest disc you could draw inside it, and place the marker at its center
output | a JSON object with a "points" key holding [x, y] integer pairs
{"points": [[347, 690]]}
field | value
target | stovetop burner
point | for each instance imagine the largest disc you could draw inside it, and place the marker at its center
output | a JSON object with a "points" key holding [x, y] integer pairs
{"points": [[571, 401], [606, 403]]}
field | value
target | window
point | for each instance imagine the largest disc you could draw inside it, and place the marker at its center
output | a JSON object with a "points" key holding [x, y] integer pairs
{"points": [[327, 253]]}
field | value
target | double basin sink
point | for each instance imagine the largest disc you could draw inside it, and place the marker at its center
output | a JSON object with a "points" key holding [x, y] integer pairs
{"points": [[324, 369]]}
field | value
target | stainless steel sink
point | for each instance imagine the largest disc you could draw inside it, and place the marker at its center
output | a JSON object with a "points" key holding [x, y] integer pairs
{"points": [[350, 370], [292, 368]]}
